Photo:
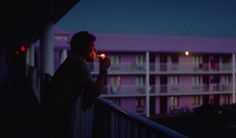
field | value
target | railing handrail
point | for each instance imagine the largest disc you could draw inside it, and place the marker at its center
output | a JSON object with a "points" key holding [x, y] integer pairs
{"points": [[140, 119]]}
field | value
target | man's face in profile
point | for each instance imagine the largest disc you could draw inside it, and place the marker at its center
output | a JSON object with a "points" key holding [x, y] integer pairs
{"points": [[92, 53]]}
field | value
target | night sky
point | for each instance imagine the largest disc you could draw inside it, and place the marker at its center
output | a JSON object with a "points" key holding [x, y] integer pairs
{"points": [[204, 18]]}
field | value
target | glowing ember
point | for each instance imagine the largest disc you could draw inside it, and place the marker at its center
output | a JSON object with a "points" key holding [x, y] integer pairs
{"points": [[102, 56]]}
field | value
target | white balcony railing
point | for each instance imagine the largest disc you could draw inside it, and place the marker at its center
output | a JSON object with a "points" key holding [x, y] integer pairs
{"points": [[124, 90], [190, 68], [190, 89], [165, 68], [131, 90], [123, 67]]}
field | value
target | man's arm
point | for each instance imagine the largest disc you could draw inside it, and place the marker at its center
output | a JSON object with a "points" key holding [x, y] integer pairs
{"points": [[102, 77]]}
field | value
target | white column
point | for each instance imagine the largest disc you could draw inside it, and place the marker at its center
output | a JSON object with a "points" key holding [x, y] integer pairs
{"points": [[27, 56], [32, 55], [147, 85], [63, 56], [233, 75], [46, 50]]}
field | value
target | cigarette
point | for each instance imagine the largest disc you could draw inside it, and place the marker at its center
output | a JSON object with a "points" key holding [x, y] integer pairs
{"points": [[102, 56]]}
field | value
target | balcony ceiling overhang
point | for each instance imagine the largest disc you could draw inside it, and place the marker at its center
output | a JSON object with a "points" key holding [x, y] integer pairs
{"points": [[22, 21]]}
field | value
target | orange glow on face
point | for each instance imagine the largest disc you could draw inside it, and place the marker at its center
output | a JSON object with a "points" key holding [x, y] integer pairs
{"points": [[102, 56], [22, 48]]}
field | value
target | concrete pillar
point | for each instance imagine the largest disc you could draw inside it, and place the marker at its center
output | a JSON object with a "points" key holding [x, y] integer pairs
{"points": [[147, 85], [63, 56], [27, 56], [46, 59], [46, 50], [32, 55], [233, 77]]}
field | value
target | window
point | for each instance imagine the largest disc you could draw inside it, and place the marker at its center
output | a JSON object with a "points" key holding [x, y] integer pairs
{"points": [[115, 80], [225, 79], [115, 62], [115, 59], [196, 100], [197, 62], [115, 84], [174, 101], [196, 81], [174, 81], [139, 102], [225, 82], [226, 59], [139, 83], [139, 60], [174, 59], [117, 101], [226, 99]]}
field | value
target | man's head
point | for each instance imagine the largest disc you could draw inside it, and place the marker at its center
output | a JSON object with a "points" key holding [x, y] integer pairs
{"points": [[82, 44]]}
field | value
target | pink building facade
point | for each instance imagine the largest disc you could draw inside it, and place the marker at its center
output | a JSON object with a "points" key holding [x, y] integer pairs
{"points": [[152, 75]]}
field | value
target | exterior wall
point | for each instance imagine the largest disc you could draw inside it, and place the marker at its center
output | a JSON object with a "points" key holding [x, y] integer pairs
{"points": [[126, 58], [185, 59], [157, 107], [129, 104], [185, 102], [222, 99]]}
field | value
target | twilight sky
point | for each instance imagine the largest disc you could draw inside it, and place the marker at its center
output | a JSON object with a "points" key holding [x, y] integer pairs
{"points": [[210, 18]]}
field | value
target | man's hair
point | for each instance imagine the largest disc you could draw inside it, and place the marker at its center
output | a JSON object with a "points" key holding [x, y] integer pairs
{"points": [[81, 40]]}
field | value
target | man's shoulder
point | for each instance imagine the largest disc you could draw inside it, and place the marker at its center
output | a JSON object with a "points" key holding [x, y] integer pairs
{"points": [[77, 60]]}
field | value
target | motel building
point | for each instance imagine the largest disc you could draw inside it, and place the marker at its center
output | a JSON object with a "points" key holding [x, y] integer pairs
{"points": [[158, 75]]}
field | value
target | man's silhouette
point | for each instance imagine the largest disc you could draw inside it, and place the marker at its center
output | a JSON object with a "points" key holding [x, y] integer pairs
{"points": [[72, 79]]}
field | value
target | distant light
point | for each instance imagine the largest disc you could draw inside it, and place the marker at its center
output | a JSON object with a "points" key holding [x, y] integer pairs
{"points": [[186, 53], [22, 48], [17, 52]]}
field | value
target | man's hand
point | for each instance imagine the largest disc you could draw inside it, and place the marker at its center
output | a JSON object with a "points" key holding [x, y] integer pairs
{"points": [[104, 63]]}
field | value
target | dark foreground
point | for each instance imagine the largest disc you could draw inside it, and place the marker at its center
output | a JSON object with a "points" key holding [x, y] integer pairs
{"points": [[205, 122]]}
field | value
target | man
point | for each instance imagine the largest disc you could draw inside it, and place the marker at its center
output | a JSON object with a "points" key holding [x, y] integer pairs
{"points": [[72, 79]]}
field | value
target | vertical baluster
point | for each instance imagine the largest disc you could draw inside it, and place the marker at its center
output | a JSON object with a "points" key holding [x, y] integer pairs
{"points": [[116, 125], [112, 125], [128, 129], [107, 124], [141, 131], [135, 131]]}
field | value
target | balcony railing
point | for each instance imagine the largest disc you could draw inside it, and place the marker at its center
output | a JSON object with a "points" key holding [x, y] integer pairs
{"points": [[123, 67], [106, 120], [131, 90], [124, 90], [165, 68], [190, 89], [190, 68]]}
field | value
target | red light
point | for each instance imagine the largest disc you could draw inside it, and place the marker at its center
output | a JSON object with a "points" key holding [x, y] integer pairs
{"points": [[22, 48], [17, 53]]}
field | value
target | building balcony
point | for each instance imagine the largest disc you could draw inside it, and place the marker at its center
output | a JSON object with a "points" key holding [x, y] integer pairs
{"points": [[190, 89], [123, 91], [156, 68], [123, 68], [190, 68]]}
